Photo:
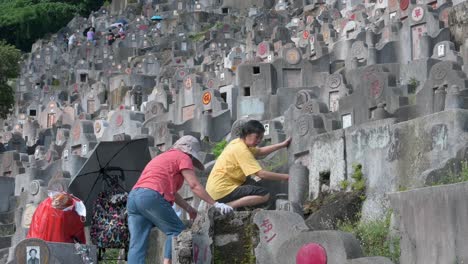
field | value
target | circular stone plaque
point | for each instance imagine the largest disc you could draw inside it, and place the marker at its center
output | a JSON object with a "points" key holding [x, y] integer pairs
{"points": [[293, 56], [34, 187], [438, 71], [404, 4], [206, 98], [334, 81]]}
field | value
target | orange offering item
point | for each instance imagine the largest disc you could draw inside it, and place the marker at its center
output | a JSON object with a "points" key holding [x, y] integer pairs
{"points": [[56, 220]]}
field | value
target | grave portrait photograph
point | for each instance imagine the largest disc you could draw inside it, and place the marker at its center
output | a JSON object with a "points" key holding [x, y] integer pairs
{"points": [[33, 255]]}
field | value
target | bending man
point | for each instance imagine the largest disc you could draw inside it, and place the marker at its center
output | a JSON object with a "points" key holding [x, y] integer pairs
{"points": [[150, 202], [227, 181]]}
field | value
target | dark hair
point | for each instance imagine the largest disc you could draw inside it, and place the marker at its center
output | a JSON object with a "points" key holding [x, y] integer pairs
{"points": [[251, 127], [33, 249]]}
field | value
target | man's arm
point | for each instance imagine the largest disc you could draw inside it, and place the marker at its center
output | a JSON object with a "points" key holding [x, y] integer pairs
{"points": [[268, 175], [263, 151], [182, 203], [196, 187]]}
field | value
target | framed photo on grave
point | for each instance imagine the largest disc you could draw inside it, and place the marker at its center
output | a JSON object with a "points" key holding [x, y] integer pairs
{"points": [[334, 101], [188, 112], [346, 120], [32, 251], [441, 50]]}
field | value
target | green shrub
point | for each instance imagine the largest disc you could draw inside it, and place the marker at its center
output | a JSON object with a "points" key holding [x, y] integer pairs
{"points": [[453, 177], [413, 84], [344, 185], [22, 22], [375, 238], [219, 147], [359, 183]]}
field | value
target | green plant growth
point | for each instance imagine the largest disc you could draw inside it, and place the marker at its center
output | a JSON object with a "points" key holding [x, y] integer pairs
{"points": [[453, 177], [9, 69], [359, 183], [344, 184], [22, 22], [375, 237], [200, 36], [219, 147], [413, 84]]}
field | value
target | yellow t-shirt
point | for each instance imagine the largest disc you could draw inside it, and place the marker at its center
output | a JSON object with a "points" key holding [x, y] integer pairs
{"points": [[236, 162]]}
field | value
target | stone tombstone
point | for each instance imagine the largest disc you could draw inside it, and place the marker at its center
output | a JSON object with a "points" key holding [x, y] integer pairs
{"points": [[24, 251], [292, 77], [263, 49], [153, 108], [123, 121], [235, 57], [336, 89], [62, 136], [445, 50], [83, 138], [275, 227]]}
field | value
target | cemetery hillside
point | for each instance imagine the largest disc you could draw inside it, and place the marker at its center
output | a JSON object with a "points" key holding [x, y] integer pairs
{"points": [[323, 131]]}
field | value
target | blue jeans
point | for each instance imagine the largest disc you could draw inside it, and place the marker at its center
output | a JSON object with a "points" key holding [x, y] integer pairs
{"points": [[147, 208]]}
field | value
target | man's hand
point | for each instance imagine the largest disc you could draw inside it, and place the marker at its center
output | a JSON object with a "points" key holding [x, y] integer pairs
{"points": [[192, 213], [286, 143]]}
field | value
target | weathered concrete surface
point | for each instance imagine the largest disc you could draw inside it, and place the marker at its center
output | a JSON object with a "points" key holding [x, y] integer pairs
{"points": [[340, 246], [395, 156], [432, 223], [156, 242], [326, 154], [275, 227]]}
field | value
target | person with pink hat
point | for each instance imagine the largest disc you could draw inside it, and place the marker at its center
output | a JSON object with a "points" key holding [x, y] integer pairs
{"points": [[150, 201]]}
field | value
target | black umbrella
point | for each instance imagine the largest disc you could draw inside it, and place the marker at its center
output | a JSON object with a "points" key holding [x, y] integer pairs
{"points": [[115, 164], [85, 32]]}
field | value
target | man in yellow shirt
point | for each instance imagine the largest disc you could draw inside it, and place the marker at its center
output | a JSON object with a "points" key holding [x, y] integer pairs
{"points": [[227, 180]]}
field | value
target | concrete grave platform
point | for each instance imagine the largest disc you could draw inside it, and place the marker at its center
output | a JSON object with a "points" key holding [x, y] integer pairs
{"points": [[275, 227], [340, 246], [51, 253], [432, 223]]}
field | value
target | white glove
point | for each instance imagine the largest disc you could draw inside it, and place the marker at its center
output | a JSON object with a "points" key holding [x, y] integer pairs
{"points": [[223, 208]]}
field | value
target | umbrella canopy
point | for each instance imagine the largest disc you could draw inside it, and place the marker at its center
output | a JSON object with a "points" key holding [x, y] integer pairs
{"points": [[156, 18], [115, 25], [86, 31], [121, 21], [116, 163]]}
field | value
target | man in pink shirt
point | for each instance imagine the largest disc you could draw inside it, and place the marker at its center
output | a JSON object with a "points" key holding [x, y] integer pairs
{"points": [[150, 201]]}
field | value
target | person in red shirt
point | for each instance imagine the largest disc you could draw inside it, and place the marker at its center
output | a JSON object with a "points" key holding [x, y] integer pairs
{"points": [[150, 201]]}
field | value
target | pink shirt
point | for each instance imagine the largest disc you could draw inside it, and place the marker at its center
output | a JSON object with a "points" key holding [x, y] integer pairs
{"points": [[163, 173]]}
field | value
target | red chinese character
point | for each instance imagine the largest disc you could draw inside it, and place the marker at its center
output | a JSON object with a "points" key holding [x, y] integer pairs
{"points": [[267, 225], [270, 239], [417, 12]]}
